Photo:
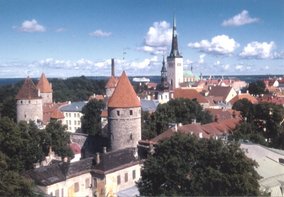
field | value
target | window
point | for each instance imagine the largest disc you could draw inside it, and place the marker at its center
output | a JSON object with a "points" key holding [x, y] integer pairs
{"points": [[75, 122], [62, 192], [125, 177], [133, 174], [118, 113], [75, 115], [118, 180], [131, 112], [76, 187], [87, 183], [67, 122]]}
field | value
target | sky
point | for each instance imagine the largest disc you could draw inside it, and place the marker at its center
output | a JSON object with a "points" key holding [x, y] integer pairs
{"points": [[65, 38]]}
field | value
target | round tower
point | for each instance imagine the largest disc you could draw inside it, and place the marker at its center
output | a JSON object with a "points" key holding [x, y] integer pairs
{"points": [[124, 115], [29, 102]]}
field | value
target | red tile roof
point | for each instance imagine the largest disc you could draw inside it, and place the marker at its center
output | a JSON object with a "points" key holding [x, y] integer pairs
{"points": [[111, 83], [50, 110], [124, 95], [56, 114], [44, 85], [208, 130], [219, 91], [28, 90], [189, 94], [249, 97]]}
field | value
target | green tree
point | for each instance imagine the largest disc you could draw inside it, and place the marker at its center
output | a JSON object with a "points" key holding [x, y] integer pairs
{"points": [[180, 111], [148, 125], [58, 139], [11, 183], [246, 108], [187, 166], [91, 119], [257, 88], [21, 143]]}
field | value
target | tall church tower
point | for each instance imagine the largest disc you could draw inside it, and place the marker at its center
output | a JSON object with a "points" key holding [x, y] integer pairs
{"points": [[124, 115], [45, 89], [175, 62]]}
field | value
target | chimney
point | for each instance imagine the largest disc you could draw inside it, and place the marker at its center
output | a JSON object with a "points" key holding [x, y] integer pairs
{"points": [[98, 158], [112, 67]]}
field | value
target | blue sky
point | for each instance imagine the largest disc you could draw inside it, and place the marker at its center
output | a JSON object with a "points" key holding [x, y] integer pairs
{"points": [[79, 37]]}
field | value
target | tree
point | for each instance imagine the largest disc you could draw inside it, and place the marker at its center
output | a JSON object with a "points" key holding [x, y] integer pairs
{"points": [[91, 119], [187, 166], [246, 108], [58, 139], [257, 88], [180, 111], [11, 183], [148, 125]]}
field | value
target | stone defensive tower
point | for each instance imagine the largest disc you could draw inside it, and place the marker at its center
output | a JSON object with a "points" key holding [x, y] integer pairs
{"points": [[175, 62], [124, 115], [29, 102], [45, 89]]}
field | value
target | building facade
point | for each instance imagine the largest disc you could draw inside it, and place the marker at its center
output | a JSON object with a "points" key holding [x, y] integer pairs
{"points": [[72, 115]]}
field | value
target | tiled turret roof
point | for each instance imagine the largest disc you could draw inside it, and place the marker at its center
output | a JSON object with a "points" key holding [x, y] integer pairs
{"points": [[28, 90], [124, 95], [44, 85], [111, 83]]}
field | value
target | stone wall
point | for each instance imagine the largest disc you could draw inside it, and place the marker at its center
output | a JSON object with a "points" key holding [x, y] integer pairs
{"points": [[46, 97], [29, 110], [124, 127]]}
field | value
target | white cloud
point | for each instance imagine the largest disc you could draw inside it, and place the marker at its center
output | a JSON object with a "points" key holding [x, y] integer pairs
{"points": [[239, 67], [61, 29], [100, 33], [220, 44], [158, 38], [242, 18], [260, 50], [226, 66], [201, 59], [32, 26]]}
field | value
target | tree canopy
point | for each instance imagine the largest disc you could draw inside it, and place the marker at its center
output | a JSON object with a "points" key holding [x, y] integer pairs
{"points": [[180, 110], [187, 166], [263, 123], [257, 88], [91, 119]]}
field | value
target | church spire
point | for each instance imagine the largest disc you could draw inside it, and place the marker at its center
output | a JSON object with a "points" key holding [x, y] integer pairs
{"points": [[164, 79], [174, 50]]}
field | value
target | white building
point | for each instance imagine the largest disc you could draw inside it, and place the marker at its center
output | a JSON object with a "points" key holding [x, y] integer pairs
{"points": [[72, 115], [270, 168]]}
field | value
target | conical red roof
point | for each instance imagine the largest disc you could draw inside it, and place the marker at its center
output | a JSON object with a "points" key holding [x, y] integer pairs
{"points": [[44, 85], [111, 83], [124, 95], [28, 90]]}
